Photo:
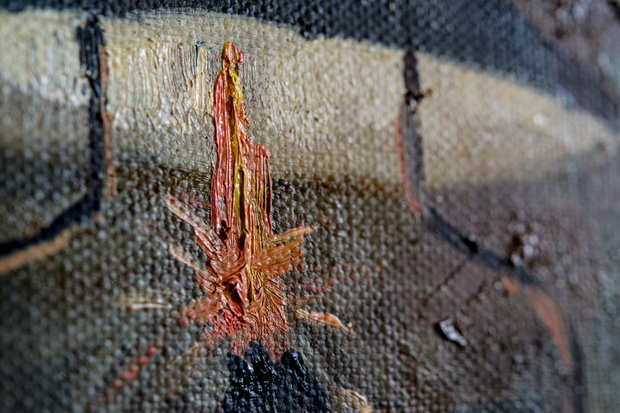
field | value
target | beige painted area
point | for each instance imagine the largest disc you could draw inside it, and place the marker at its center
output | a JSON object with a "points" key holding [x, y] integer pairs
{"points": [[325, 107], [44, 125], [43, 93], [478, 128], [39, 51]]}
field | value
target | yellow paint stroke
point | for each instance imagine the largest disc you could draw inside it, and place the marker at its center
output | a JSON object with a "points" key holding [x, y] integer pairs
{"points": [[354, 399], [150, 299]]}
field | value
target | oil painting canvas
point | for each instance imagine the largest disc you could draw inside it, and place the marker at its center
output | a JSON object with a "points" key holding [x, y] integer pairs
{"points": [[385, 206]]}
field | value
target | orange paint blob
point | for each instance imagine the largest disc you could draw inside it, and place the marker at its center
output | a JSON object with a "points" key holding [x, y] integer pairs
{"points": [[322, 318]]}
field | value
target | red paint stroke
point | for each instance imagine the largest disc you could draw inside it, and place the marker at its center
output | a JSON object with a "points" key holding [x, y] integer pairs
{"points": [[246, 260], [125, 376], [549, 312], [552, 316]]}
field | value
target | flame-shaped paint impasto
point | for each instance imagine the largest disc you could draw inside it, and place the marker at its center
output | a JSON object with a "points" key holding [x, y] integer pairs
{"points": [[245, 294]]}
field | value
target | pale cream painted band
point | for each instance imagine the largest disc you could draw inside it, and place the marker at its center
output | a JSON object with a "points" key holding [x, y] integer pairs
{"points": [[325, 107]]}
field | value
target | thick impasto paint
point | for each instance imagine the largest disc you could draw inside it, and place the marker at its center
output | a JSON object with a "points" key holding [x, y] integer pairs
{"points": [[245, 298]]}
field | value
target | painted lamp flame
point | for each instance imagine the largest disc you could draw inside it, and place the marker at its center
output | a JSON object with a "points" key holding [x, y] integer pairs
{"points": [[246, 260]]}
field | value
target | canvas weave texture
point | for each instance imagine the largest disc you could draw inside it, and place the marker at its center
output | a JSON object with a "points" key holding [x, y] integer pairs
{"points": [[386, 206]]}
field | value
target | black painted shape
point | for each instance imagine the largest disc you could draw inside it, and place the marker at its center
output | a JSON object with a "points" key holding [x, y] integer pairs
{"points": [[414, 97], [461, 242], [91, 41], [259, 385], [489, 34], [90, 38], [412, 78], [432, 220], [615, 5]]}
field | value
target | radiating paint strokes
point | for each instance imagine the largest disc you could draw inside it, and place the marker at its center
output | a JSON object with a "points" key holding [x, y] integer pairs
{"points": [[246, 260], [150, 299]]}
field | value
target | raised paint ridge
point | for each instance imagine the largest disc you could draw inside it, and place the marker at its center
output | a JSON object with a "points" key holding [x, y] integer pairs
{"points": [[245, 294]]}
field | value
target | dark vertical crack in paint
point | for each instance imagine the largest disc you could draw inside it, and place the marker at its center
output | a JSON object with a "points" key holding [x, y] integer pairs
{"points": [[259, 385], [91, 41], [414, 97], [461, 242], [90, 38]]}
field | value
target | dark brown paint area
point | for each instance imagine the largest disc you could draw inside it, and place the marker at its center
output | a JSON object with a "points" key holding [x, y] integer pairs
{"points": [[509, 356], [64, 336], [563, 231]]}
